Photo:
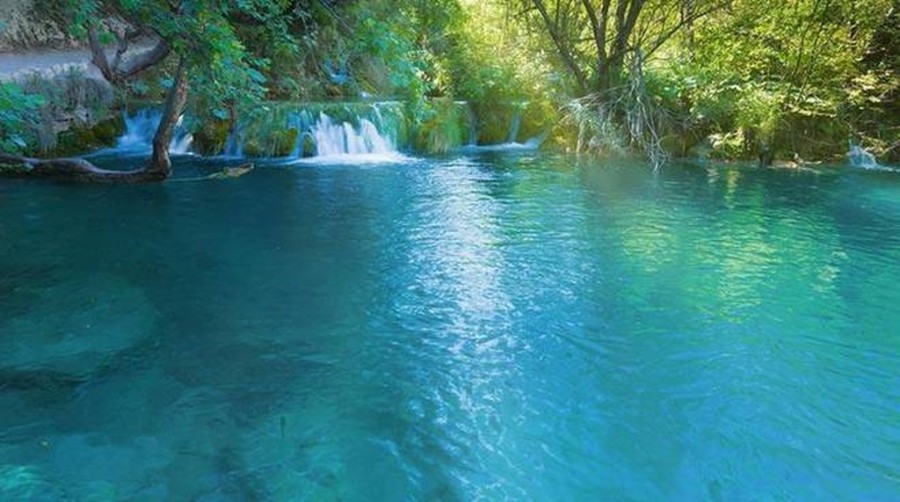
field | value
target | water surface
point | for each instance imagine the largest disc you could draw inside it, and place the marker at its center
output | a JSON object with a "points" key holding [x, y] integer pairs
{"points": [[491, 326]]}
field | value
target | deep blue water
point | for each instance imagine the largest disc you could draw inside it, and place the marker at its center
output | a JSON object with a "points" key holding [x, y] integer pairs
{"points": [[519, 327]]}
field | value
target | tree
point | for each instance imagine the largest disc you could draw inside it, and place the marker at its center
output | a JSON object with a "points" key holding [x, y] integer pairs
{"points": [[594, 38], [603, 45], [787, 78], [206, 40]]}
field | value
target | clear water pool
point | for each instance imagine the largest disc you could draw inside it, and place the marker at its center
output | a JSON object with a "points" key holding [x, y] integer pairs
{"points": [[485, 327]]}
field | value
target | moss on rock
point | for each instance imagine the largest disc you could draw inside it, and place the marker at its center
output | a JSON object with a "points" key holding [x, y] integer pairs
{"points": [[284, 142], [83, 139], [444, 130], [307, 145], [210, 138]]}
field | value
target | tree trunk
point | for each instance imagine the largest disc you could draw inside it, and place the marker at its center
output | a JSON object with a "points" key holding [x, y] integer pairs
{"points": [[69, 169], [121, 70], [159, 161]]}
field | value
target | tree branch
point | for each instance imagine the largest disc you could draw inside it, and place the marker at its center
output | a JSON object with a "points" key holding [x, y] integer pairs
{"points": [[666, 35], [71, 169], [134, 65], [599, 33], [561, 46], [98, 54]]}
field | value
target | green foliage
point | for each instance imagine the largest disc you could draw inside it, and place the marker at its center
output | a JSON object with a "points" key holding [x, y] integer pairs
{"points": [[420, 50], [17, 117], [765, 71], [738, 78], [226, 46], [445, 129], [753, 77], [210, 136]]}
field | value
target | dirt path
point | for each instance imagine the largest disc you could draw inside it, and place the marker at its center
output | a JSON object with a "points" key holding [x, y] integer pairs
{"points": [[15, 66], [49, 62]]}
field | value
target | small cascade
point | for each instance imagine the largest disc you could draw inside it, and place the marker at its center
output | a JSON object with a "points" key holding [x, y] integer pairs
{"points": [[302, 121], [859, 157], [514, 126], [140, 129], [181, 144], [346, 131], [234, 145], [512, 143], [471, 122], [354, 131], [332, 139]]}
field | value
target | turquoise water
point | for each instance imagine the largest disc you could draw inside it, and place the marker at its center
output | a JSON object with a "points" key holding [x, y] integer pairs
{"points": [[491, 327]]}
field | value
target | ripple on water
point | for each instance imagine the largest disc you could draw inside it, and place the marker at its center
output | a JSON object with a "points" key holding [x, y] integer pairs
{"points": [[495, 327]]}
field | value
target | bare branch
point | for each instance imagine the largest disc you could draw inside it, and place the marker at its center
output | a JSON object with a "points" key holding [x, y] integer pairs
{"points": [[98, 54], [132, 66], [685, 20], [561, 45]]}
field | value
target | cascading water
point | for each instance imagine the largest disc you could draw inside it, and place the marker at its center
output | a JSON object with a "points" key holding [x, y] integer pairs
{"points": [[312, 132], [514, 127], [234, 145], [512, 136], [332, 139], [859, 157], [358, 132], [140, 129]]}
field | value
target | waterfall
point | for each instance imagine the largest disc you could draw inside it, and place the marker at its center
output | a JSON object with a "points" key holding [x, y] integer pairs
{"points": [[334, 139], [471, 122], [512, 144], [140, 129], [514, 127], [234, 145], [859, 157], [181, 145], [343, 131]]}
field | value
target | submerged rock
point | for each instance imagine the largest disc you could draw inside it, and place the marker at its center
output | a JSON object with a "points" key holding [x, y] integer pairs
{"points": [[26, 482], [74, 327]]}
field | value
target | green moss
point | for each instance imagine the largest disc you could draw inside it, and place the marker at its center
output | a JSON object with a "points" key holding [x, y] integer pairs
{"points": [[492, 122], [307, 146], [80, 139], [253, 148], [686, 142], [273, 143], [812, 137], [729, 146], [109, 131], [538, 119], [210, 138], [444, 130], [285, 141]]}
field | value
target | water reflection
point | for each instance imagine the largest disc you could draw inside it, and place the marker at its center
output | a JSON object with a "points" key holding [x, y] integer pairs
{"points": [[486, 327]]}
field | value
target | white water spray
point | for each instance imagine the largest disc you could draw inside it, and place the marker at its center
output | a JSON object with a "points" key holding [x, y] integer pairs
{"points": [[859, 157], [335, 140], [140, 129]]}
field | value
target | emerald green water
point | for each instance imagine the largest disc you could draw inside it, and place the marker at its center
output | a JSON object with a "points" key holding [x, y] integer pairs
{"points": [[520, 327]]}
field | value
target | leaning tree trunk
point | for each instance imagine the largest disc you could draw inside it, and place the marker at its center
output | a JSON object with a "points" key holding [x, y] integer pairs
{"points": [[160, 164], [158, 168]]}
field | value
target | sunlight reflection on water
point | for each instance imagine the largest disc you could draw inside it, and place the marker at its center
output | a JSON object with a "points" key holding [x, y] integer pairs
{"points": [[489, 326]]}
